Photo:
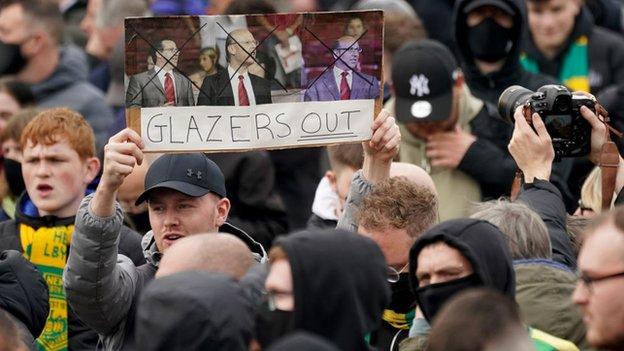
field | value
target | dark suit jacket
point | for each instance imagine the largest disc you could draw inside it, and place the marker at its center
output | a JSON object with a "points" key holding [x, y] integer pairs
{"points": [[216, 90], [363, 86], [153, 93]]}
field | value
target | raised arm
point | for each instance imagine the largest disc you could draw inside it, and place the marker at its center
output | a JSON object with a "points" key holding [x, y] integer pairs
{"points": [[98, 283]]}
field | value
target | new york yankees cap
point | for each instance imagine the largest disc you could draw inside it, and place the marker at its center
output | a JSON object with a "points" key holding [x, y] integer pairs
{"points": [[422, 75], [192, 174]]}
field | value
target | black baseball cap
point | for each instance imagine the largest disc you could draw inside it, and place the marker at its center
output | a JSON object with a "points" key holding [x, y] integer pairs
{"points": [[422, 75], [501, 4], [192, 174]]}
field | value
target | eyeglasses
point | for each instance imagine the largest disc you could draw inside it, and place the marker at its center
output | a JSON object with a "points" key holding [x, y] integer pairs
{"points": [[350, 50], [394, 275], [589, 282]]}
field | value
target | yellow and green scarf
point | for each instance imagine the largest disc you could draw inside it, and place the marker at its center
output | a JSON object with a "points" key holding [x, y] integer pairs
{"points": [[47, 248], [574, 71]]}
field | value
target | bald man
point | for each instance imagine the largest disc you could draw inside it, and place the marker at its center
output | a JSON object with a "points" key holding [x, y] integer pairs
{"points": [[220, 253], [236, 86], [343, 81]]}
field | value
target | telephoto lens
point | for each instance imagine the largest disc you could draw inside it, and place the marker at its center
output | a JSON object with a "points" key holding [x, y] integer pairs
{"points": [[510, 99]]}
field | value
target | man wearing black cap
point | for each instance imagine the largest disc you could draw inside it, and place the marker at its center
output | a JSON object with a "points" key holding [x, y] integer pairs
{"points": [[487, 38], [446, 130], [185, 194]]}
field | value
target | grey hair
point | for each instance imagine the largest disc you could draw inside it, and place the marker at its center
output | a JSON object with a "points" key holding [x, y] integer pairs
{"points": [[113, 12], [525, 230]]}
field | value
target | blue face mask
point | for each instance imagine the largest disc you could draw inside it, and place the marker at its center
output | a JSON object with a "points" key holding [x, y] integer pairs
{"points": [[432, 297]]}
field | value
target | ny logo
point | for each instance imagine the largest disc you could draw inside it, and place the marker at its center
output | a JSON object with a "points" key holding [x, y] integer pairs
{"points": [[419, 85], [190, 173]]}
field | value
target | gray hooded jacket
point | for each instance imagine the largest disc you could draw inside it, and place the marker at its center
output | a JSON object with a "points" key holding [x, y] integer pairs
{"points": [[103, 287]]}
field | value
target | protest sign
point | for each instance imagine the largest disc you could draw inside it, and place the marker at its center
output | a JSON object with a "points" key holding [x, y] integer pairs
{"points": [[229, 83]]}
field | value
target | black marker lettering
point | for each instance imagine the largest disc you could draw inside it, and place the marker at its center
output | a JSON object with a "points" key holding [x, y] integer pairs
{"points": [[306, 118], [349, 117], [268, 122], [161, 126], [213, 127], [232, 127], [284, 124], [327, 121], [171, 133], [192, 127]]}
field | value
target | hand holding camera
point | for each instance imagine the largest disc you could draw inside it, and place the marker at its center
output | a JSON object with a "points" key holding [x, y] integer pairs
{"points": [[532, 150]]}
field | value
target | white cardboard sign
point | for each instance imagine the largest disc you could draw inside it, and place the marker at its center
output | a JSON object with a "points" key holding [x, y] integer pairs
{"points": [[270, 126]]}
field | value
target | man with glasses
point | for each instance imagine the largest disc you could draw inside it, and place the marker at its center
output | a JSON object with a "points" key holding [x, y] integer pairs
{"points": [[343, 81], [235, 86], [161, 85], [601, 284]]}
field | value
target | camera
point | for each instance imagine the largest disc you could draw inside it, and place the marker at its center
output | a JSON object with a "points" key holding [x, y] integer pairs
{"points": [[560, 111]]}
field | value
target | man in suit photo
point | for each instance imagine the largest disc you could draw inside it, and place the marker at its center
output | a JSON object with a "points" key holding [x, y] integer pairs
{"points": [[341, 82], [161, 85], [236, 86]]}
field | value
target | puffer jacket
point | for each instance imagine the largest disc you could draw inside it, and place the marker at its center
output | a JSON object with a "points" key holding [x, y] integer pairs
{"points": [[103, 287]]}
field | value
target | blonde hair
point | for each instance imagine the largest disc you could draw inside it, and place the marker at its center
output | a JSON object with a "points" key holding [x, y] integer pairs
{"points": [[591, 192]]}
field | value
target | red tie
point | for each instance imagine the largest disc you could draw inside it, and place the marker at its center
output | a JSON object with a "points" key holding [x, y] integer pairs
{"points": [[169, 92], [345, 92], [243, 99]]}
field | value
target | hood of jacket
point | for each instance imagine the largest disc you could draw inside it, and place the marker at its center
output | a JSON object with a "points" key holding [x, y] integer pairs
{"points": [[72, 68], [26, 212], [340, 285], [153, 256], [302, 341], [186, 311], [583, 25], [482, 243], [511, 70], [23, 291]]}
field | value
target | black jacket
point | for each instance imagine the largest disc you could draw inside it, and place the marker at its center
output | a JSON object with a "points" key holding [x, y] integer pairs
{"points": [[545, 199], [436, 16], [488, 87], [80, 336], [605, 53], [493, 134], [216, 90], [257, 208], [339, 284], [23, 293], [194, 310], [481, 243]]}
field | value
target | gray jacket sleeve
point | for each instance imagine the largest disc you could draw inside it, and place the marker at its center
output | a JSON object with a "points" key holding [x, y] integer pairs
{"points": [[99, 284], [360, 187]]}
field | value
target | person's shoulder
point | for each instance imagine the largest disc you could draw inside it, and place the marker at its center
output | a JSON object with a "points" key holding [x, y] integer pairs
{"points": [[606, 37]]}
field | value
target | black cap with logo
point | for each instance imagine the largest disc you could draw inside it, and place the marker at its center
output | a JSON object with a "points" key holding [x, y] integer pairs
{"points": [[423, 78], [192, 174]]}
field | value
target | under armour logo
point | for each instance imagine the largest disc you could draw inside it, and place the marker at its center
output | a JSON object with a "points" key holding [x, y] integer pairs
{"points": [[419, 85], [190, 174]]}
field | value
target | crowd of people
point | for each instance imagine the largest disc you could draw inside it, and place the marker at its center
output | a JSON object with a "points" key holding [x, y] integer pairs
{"points": [[453, 228]]}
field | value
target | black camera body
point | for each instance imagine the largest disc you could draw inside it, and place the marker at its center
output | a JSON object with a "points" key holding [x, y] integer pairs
{"points": [[560, 111]]}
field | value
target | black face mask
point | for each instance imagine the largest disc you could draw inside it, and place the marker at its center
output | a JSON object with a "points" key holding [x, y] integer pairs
{"points": [[13, 175], [272, 325], [11, 59], [489, 41], [403, 299], [432, 297]]}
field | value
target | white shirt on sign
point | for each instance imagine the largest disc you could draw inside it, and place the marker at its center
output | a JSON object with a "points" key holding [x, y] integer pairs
{"points": [[338, 77], [161, 78]]}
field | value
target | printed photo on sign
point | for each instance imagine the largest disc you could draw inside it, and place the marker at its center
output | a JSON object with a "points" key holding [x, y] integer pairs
{"points": [[177, 67]]}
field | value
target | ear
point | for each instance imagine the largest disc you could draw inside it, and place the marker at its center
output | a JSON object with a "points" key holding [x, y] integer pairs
{"points": [[223, 209], [35, 44], [333, 180], [92, 165]]}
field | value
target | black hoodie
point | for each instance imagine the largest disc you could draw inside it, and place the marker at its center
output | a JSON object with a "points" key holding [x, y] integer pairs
{"points": [[339, 284], [483, 245], [488, 87], [302, 341], [194, 310], [23, 292]]}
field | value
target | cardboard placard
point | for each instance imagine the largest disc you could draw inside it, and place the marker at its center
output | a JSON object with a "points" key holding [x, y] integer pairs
{"points": [[229, 83]]}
